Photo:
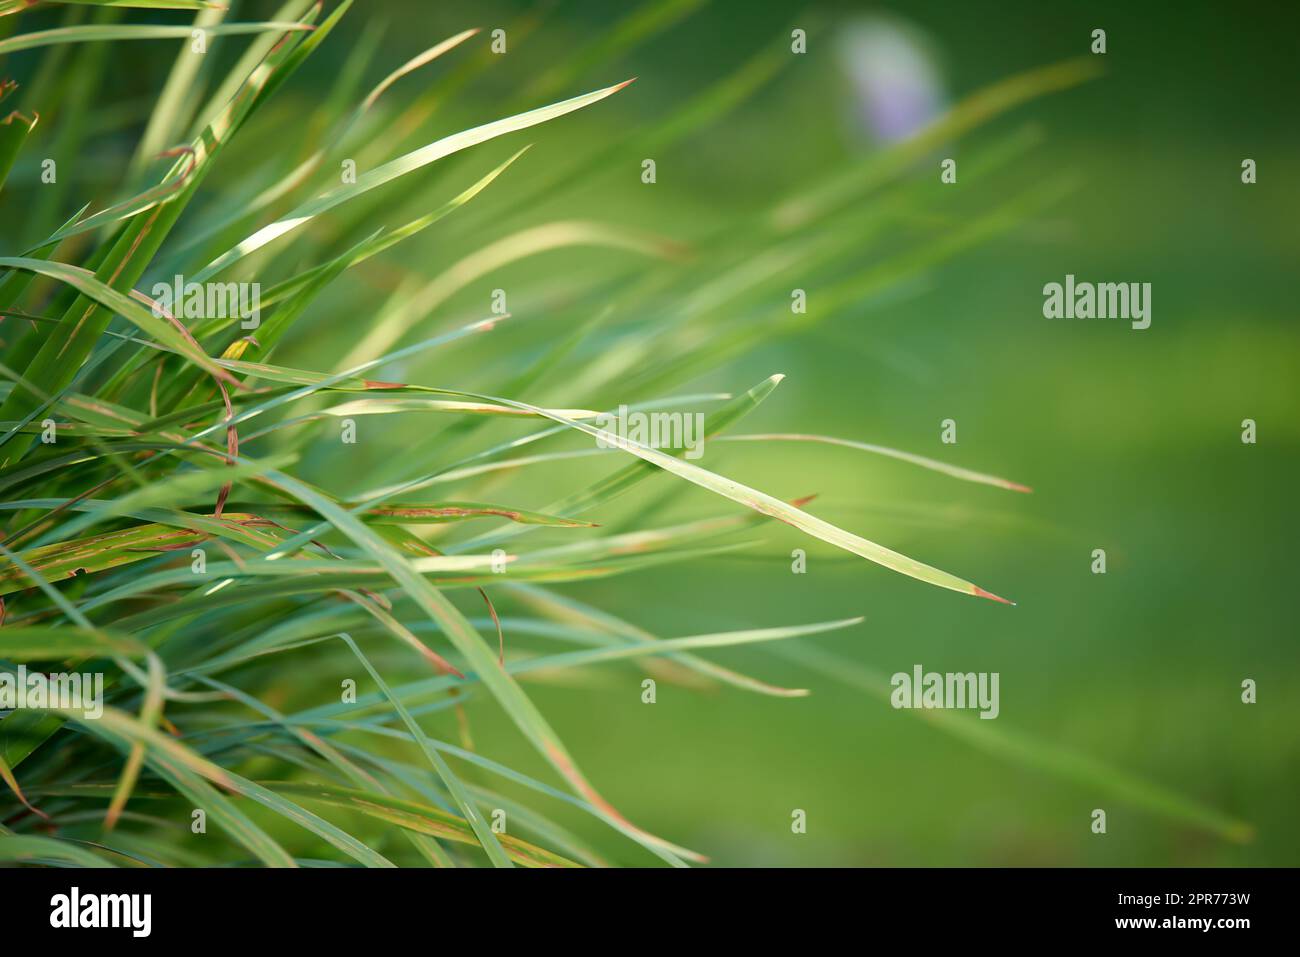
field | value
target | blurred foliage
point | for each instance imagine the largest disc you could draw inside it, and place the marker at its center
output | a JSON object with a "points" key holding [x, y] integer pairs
{"points": [[1119, 691]]}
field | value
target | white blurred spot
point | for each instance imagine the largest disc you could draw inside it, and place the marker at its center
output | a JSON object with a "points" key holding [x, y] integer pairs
{"points": [[894, 71]]}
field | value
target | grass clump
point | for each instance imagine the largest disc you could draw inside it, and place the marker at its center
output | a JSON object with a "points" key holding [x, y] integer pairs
{"points": [[289, 642]]}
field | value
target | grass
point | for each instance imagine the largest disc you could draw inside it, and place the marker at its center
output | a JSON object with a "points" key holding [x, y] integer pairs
{"points": [[196, 530]]}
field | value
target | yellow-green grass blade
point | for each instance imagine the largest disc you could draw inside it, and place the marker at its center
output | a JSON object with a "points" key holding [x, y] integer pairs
{"points": [[483, 832], [7, 776], [396, 168], [389, 327], [13, 6], [419, 817], [61, 355], [167, 117], [47, 644], [326, 381], [465, 639], [494, 767], [431, 513], [361, 778], [967, 475], [195, 787], [385, 240], [128, 307], [244, 69], [97, 32], [764, 504], [171, 756], [150, 711], [642, 649], [619, 482], [466, 468], [178, 488], [299, 174], [568, 610]]}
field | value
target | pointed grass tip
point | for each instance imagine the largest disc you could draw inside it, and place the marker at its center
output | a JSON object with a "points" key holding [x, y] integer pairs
{"points": [[981, 593]]}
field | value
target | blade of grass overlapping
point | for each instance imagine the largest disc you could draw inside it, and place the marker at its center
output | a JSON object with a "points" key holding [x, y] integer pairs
{"points": [[566, 609], [372, 179], [390, 325], [299, 174], [763, 503], [308, 719], [89, 286], [619, 482], [427, 847], [466, 640], [421, 818], [62, 354], [299, 598], [167, 118], [172, 759], [483, 832], [465, 468]]}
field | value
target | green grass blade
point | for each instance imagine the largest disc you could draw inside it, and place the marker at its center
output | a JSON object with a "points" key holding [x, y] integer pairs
{"points": [[934, 465], [99, 32], [14, 129], [394, 169]]}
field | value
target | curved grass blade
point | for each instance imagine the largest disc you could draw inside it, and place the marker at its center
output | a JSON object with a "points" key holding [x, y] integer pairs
{"points": [[388, 328], [619, 482], [95, 32], [13, 6], [120, 264], [303, 170], [32, 849], [166, 117], [171, 758], [570, 611], [467, 641], [428, 847], [927, 463], [483, 833], [86, 283], [764, 504], [397, 168], [422, 818]]}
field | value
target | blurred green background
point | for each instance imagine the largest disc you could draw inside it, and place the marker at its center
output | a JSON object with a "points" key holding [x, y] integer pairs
{"points": [[1130, 439]]}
